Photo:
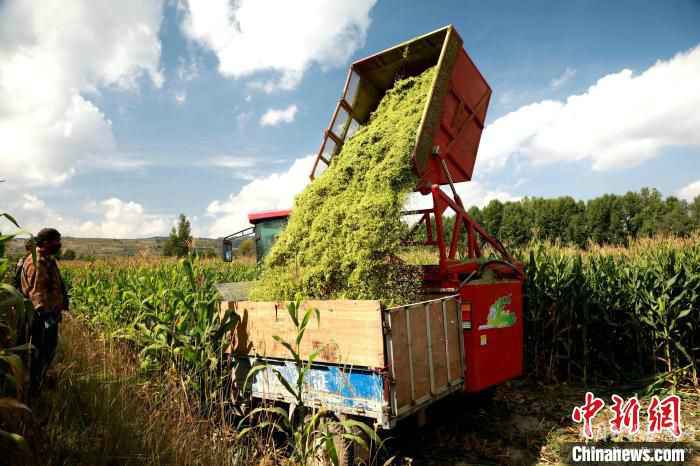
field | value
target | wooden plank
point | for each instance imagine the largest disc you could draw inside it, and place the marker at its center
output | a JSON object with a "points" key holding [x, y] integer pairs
{"points": [[401, 369], [437, 333], [419, 342], [453, 341], [349, 332]]}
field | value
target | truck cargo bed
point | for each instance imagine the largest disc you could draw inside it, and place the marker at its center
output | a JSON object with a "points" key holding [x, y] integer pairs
{"points": [[379, 363]]}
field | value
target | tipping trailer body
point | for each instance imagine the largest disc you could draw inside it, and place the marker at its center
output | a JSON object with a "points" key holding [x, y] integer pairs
{"points": [[453, 116]]}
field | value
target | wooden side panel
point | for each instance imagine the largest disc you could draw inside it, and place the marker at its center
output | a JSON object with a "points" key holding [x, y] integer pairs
{"points": [[419, 344], [348, 332], [426, 357], [401, 370], [454, 347], [438, 340]]}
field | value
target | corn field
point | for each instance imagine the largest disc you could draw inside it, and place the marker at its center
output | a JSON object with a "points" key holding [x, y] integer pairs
{"points": [[614, 314], [167, 310], [608, 314]]}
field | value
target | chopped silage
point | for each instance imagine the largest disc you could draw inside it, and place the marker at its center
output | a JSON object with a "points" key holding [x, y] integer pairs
{"points": [[345, 228]]}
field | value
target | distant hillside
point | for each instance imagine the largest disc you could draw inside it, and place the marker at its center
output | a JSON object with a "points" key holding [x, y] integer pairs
{"points": [[105, 247]]}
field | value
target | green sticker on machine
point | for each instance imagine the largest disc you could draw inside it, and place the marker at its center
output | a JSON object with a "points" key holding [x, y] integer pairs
{"points": [[500, 315]]}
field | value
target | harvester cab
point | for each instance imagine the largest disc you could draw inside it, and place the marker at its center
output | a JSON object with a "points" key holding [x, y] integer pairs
{"points": [[472, 263], [266, 227]]}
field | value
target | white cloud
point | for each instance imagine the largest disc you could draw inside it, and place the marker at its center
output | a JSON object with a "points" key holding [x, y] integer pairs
{"points": [[274, 117], [689, 192], [187, 71], [621, 121], [253, 36], [32, 202], [275, 191], [180, 97], [51, 58], [565, 77], [472, 193], [121, 219], [119, 163], [110, 218], [230, 161]]}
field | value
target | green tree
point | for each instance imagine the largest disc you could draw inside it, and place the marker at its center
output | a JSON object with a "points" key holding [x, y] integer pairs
{"points": [[247, 247], [179, 242], [694, 212], [676, 220], [492, 216], [516, 225], [68, 255], [651, 211]]}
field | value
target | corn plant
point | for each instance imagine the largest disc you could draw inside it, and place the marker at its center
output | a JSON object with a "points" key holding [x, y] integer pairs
{"points": [[13, 316], [613, 314], [313, 433]]}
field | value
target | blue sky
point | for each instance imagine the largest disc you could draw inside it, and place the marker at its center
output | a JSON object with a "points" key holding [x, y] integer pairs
{"points": [[121, 116]]}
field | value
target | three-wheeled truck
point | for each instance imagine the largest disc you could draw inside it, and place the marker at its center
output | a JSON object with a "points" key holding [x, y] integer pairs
{"points": [[384, 363]]}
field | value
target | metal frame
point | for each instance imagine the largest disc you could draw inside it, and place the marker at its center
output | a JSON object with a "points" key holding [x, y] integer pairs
{"points": [[249, 231], [449, 266]]}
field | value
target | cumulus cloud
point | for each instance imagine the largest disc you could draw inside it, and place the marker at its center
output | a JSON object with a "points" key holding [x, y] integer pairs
{"points": [[111, 218], [689, 192], [621, 121], [285, 38], [275, 191], [274, 117], [123, 219], [472, 193], [51, 59], [565, 77], [32, 202]]}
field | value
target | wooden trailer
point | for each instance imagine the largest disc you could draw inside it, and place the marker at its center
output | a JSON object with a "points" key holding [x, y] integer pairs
{"points": [[378, 363]]}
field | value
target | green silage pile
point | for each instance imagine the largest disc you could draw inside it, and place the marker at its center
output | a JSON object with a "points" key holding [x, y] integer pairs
{"points": [[346, 227]]}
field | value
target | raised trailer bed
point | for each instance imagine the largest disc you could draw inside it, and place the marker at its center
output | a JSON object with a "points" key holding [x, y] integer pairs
{"points": [[379, 363]]}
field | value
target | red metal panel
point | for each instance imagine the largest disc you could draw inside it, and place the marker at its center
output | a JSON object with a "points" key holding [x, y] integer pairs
{"points": [[461, 123], [255, 217], [492, 354]]}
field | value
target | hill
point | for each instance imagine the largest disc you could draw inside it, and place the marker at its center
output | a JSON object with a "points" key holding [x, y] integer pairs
{"points": [[108, 247]]}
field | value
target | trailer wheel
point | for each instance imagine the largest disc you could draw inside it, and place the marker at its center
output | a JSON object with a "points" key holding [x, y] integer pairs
{"points": [[349, 453], [345, 449]]}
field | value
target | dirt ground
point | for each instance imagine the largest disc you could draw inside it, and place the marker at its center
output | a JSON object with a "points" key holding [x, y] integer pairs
{"points": [[524, 424]]}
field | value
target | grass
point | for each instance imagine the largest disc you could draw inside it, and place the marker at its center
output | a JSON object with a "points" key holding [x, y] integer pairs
{"points": [[102, 410]]}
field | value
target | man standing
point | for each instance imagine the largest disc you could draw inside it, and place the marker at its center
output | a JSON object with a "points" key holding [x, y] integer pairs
{"points": [[43, 286]]}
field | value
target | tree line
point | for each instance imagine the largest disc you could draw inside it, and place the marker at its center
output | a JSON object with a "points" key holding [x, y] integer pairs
{"points": [[607, 219]]}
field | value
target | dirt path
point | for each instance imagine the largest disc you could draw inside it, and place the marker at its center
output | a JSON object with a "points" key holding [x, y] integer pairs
{"points": [[525, 423]]}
